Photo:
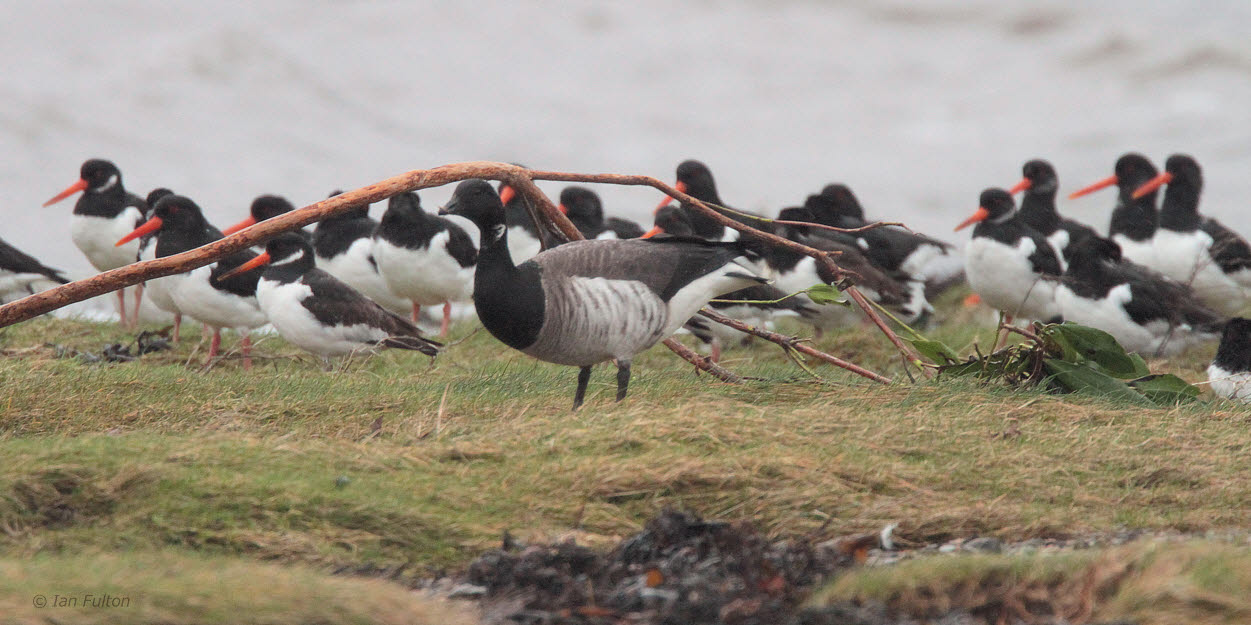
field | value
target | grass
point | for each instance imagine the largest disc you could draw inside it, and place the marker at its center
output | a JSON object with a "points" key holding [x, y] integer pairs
{"points": [[1149, 583], [393, 462]]}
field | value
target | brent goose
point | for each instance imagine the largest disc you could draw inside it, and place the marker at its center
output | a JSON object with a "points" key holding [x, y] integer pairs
{"points": [[424, 258], [105, 213], [587, 302], [317, 312]]}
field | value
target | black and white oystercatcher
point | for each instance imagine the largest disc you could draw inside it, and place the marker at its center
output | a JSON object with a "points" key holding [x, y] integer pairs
{"points": [[584, 208], [21, 273], [319, 313], [1009, 264], [344, 248], [1038, 209], [587, 302], [203, 293], [1197, 250], [1144, 311], [267, 207], [1230, 372], [1135, 219], [423, 257], [104, 214], [695, 179]]}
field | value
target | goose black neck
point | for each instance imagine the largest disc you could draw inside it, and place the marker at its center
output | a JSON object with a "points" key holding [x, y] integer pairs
{"points": [[509, 299]]}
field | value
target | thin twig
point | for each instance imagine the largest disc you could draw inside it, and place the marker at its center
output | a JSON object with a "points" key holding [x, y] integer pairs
{"points": [[791, 342]]}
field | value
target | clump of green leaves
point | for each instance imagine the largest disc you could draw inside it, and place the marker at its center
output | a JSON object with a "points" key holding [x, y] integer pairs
{"points": [[1067, 358]]}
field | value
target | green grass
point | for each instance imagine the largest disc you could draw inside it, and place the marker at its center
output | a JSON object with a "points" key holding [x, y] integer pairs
{"points": [[1150, 583], [174, 588], [394, 460]]}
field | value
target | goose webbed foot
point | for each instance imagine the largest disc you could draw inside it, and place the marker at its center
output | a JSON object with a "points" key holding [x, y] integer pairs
{"points": [[584, 376]]}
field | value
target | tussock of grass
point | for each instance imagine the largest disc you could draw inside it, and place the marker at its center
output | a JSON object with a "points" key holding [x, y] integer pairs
{"points": [[1147, 583], [172, 588]]}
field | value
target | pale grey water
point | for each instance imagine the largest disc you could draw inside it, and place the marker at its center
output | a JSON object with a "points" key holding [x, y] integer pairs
{"points": [[917, 105]]}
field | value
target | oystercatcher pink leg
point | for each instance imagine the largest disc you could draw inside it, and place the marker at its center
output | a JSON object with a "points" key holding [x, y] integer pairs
{"points": [[246, 344], [121, 307], [177, 325], [138, 299], [214, 345], [716, 350], [416, 311], [447, 318]]}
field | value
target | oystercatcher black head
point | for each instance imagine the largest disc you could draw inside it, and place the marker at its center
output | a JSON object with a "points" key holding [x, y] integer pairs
{"points": [[672, 221], [263, 207], [842, 205], [994, 206], [583, 207], [1039, 178], [95, 176], [155, 196], [1180, 208]]}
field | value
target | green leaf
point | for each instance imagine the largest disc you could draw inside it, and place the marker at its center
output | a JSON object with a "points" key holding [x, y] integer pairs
{"points": [[1098, 347], [826, 294], [1166, 389], [937, 351], [1078, 378]]}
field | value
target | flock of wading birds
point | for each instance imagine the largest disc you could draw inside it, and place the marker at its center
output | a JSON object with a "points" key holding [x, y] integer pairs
{"points": [[1164, 279]]}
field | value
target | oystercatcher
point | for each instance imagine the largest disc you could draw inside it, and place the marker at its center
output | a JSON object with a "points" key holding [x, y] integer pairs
{"points": [[20, 273], [695, 179], [343, 245], [204, 293], [104, 214], [422, 257], [1134, 220], [1009, 264], [587, 302], [267, 207], [1144, 311], [1230, 372], [1197, 250], [1038, 209], [524, 239], [319, 313], [583, 207]]}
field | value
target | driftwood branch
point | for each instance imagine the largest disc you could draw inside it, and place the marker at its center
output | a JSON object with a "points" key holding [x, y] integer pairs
{"points": [[560, 228], [790, 342]]}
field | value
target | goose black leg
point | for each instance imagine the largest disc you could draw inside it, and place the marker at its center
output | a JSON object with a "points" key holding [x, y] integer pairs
{"points": [[623, 378], [584, 376]]}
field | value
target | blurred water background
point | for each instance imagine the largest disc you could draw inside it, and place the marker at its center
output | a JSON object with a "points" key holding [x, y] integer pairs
{"points": [[918, 105]]}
